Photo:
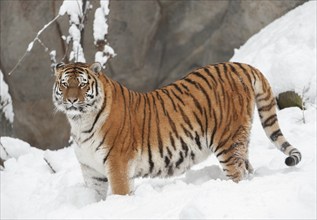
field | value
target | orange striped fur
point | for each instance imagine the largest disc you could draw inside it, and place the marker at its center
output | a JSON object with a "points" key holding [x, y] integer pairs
{"points": [[122, 134]]}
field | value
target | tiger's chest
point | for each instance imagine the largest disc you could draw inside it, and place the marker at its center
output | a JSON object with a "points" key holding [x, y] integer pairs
{"points": [[86, 148], [87, 155]]}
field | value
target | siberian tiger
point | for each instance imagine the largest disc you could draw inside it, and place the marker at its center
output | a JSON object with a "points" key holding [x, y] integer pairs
{"points": [[122, 134]]}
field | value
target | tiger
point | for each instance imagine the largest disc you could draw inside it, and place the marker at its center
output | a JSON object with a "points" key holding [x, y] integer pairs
{"points": [[122, 134]]}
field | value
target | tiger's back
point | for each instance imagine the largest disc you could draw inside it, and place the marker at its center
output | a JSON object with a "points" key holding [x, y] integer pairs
{"points": [[164, 132]]}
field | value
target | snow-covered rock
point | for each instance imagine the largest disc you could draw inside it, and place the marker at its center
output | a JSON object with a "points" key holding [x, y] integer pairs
{"points": [[285, 51]]}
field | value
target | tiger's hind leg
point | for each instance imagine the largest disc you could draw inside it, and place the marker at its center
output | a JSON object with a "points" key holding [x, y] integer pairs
{"points": [[233, 156]]}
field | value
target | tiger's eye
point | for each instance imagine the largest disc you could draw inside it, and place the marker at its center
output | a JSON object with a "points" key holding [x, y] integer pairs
{"points": [[83, 84], [64, 84]]}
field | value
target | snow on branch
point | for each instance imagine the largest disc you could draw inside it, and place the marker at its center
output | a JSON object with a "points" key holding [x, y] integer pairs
{"points": [[5, 100], [76, 11], [100, 32]]}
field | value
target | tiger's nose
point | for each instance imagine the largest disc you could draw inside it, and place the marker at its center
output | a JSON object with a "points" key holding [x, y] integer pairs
{"points": [[72, 100]]}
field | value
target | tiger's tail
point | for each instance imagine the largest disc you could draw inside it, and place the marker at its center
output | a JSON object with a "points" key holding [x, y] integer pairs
{"points": [[266, 105]]}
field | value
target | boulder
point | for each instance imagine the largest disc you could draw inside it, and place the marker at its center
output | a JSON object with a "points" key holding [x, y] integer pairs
{"points": [[156, 42]]}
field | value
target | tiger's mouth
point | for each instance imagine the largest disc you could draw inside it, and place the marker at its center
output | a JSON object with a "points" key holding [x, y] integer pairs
{"points": [[72, 108], [75, 109]]}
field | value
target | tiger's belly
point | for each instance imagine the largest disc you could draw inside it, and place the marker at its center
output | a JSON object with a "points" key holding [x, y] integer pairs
{"points": [[171, 161]]}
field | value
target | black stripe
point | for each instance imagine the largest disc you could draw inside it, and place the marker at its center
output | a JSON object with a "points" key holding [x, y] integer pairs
{"points": [[201, 76], [197, 140], [184, 147], [172, 124], [167, 161], [267, 107], [180, 160], [214, 129], [177, 88], [158, 131], [240, 130], [101, 143], [266, 98], [170, 98], [187, 132], [246, 73], [234, 70], [214, 81], [169, 152], [151, 164], [218, 71], [143, 123], [161, 101], [172, 141], [100, 179], [226, 161], [232, 146], [206, 126], [96, 118], [270, 121], [96, 87], [199, 123], [185, 87], [150, 159], [106, 157], [232, 81], [179, 99], [284, 146], [196, 102], [200, 87], [87, 139], [222, 143], [192, 156], [274, 136], [185, 117]]}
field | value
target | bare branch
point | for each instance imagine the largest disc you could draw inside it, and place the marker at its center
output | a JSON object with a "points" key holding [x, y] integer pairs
{"points": [[49, 165], [30, 46]]}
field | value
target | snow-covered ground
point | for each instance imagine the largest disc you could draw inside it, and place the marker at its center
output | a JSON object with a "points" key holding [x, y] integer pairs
{"points": [[31, 189]]}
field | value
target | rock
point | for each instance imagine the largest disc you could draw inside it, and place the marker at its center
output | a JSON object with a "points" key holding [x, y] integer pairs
{"points": [[156, 42], [289, 99]]}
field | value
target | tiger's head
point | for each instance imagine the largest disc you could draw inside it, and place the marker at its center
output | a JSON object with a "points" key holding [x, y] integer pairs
{"points": [[77, 89]]}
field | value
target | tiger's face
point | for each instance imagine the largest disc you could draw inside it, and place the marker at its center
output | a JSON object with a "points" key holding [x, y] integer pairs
{"points": [[77, 89]]}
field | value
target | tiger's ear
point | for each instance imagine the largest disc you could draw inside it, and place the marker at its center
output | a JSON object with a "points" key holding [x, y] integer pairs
{"points": [[96, 68], [58, 66], [55, 67]]}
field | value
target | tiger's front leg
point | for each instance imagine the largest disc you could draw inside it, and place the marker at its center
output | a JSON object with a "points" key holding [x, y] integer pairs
{"points": [[95, 180], [120, 181]]}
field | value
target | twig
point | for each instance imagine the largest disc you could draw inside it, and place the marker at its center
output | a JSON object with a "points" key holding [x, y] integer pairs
{"points": [[43, 45], [8, 155], [30, 45], [49, 165]]}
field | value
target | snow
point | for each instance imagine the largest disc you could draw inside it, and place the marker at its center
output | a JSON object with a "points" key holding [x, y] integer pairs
{"points": [[100, 32], [31, 189], [74, 11], [77, 53], [5, 100], [100, 25], [285, 51], [30, 46]]}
